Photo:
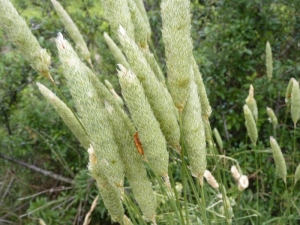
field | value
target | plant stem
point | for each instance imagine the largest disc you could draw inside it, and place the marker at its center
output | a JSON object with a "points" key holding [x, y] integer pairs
{"points": [[294, 152], [274, 131], [183, 171], [257, 184], [285, 119], [273, 195]]}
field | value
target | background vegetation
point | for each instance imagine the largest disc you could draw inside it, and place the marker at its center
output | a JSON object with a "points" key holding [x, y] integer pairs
{"points": [[229, 39]]}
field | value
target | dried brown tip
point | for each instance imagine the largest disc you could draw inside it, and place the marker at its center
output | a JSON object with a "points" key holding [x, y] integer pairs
{"points": [[138, 143]]}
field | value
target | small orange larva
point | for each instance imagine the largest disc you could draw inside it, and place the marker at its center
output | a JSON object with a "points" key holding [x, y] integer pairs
{"points": [[138, 144]]}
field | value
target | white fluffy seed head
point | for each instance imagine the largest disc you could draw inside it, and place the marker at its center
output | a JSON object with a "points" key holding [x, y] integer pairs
{"points": [[211, 179], [243, 183], [235, 173]]}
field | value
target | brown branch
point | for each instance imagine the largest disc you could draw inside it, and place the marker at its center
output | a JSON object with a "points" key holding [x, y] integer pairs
{"points": [[87, 218], [37, 169], [7, 189]]}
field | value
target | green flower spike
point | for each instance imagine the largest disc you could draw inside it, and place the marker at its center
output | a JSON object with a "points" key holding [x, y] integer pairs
{"points": [[177, 40], [67, 115], [150, 135], [73, 31], [159, 99], [250, 124], [91, 110], [279, 159], [20, 35], [194, 134]]}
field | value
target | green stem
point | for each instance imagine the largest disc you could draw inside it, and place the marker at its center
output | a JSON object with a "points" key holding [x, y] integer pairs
{"points": [[204, 206], [294, 152], [282, 135], [292, 189], [224, 196], [257, 183], [272, 196], [184, 183], [177, 202], [201, 204], [288, 213], [239, 202], [274, 131], [183, 171]]}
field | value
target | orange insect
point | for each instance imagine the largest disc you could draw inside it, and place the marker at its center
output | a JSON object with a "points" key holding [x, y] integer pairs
{"points": [[138, 143]]}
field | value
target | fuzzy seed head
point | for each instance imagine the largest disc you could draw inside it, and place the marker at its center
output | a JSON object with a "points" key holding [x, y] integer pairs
{"points": [[243, 183], [117, 13], [116, 51], [73, 31], [111, 196], [295, 102], [211, 179], [20, 35], [66, 114], [279, 159], [108, 107], [42, 222], [289, 91], [141, 7], [155, 68], [205, 106], [158, 98], [89, 94], [141, 30], [148, 128], [113, 92], [134, 167], [297, 174], [218, 138], [251, 103], [194, 134], [250, 124], [272, 116], [177, 40], [251, 93], [269, 61], [235, 173]]}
